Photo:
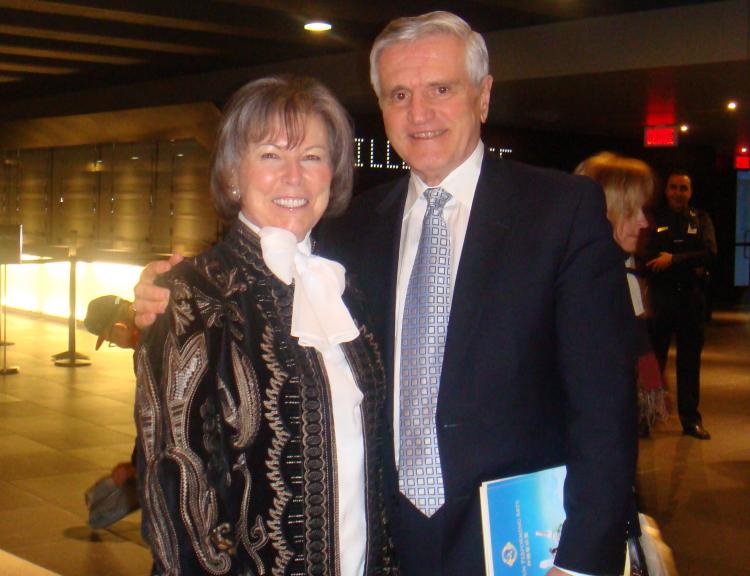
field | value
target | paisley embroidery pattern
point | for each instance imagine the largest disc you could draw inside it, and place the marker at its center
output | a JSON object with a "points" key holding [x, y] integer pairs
{"points": [[244, 417], [257, 537], [184, 368], [161, 533], [215, 310], [182, 313]]}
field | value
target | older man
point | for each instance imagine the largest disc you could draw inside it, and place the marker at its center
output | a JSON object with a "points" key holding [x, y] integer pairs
{"points": [[501, 306]]}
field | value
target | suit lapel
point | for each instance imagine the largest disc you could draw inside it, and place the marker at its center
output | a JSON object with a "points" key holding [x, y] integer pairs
{"points": [[386, 240], [481, 257]]}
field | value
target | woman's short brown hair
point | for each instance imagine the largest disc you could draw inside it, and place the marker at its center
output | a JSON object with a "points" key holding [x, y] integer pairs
{"points": [[628, 183], [280, 103]]}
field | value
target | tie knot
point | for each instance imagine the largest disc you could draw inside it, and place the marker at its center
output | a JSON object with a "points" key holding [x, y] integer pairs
{"points": [[437, 198]]}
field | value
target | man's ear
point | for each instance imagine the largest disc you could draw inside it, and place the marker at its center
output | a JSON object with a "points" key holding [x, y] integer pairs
{"points": [[485, 87]]}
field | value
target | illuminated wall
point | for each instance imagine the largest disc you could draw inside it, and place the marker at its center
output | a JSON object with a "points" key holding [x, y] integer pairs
{"points": [[43, 288]]}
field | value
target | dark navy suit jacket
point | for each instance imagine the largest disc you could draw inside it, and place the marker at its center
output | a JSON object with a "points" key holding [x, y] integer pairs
{"points": [[538, 366]]}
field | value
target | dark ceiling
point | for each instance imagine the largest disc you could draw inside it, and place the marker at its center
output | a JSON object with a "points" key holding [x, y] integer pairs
{"points": [[60, 46], [58, 50]]}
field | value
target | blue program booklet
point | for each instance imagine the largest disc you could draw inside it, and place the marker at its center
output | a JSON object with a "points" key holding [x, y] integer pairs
{"points": [[522, 517]]}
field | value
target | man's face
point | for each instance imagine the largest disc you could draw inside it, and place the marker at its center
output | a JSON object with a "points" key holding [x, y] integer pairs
{"points": [[431, 109], [678, 192]]}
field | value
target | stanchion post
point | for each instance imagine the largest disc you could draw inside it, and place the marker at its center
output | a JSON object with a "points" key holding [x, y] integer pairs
{"points": [[70, 358], [4, 331], [11, 246], [6, 370]]}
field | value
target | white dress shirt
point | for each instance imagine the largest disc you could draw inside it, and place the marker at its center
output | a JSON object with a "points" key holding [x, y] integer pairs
{"points": [[346, 400], [636, 297], [460, 184]]}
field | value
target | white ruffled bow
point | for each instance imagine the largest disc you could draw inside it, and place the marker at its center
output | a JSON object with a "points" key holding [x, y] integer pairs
{"points": [[319, 316]]}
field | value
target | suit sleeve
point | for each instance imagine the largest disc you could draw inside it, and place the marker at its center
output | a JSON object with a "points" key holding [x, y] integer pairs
{"points": [[595, 334]]}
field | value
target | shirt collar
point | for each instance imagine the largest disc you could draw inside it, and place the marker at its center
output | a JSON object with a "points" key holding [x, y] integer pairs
{"points": [[460, 183], [305, 246]]}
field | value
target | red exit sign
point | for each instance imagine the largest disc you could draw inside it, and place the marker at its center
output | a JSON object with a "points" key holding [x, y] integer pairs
{"points": [[654, 136], [742, 162]]}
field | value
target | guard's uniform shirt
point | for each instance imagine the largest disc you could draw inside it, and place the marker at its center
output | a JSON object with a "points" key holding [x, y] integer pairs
{"points": [[691, 240]]}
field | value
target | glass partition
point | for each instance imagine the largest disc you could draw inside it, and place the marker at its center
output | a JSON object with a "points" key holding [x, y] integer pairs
{"points": [[135, 198]]}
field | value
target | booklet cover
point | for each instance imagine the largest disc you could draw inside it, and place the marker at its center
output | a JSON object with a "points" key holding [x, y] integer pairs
{"points": [[522, 517]]}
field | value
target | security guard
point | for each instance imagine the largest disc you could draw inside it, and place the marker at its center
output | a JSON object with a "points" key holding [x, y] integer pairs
{"points": [[681, 248]]}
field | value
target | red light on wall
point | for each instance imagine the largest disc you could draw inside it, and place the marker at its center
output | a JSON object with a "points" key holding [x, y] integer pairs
{"points": [[742, 162], [659, 136]]}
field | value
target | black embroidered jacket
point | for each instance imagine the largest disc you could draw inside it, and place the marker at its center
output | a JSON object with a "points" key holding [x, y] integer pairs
{"points": [[236, 458]]}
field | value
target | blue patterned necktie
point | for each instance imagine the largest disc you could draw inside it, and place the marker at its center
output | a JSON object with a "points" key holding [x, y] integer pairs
{"points": [[425, 324]]}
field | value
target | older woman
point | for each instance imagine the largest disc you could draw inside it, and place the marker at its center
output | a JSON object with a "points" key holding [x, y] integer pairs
{"points": [[259, 391], [628, 185]]}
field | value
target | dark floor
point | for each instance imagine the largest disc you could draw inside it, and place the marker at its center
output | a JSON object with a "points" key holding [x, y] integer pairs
{"points": [[62, 428], [699, 491]]}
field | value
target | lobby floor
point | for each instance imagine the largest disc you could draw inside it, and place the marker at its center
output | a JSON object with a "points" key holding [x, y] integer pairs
{"points": [[63, 428], [60, 430]]}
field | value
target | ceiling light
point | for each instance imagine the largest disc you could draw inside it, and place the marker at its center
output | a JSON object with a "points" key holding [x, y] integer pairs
{"points": [[318, 26], [731, 105], [684, 128], [743, 149], [135, 158]]}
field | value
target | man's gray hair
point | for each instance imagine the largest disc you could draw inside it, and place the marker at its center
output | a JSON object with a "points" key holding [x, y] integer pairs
{"points": [[412, 28]]}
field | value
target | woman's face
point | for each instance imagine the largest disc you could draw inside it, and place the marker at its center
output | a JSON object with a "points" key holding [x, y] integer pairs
{"points": [[627, 230], [287, 187]]}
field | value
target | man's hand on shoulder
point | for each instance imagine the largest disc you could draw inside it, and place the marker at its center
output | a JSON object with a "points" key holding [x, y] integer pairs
{"points": [[152, 300]]}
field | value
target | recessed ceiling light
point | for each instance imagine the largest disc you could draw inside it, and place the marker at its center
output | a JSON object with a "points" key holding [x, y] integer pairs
{"points": [[731, 105], [135, 157], [318, 26], [684, 128]]}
